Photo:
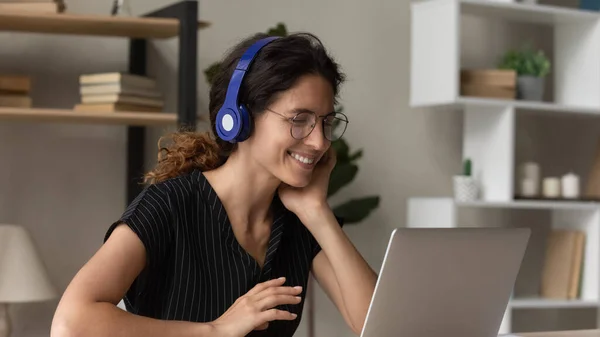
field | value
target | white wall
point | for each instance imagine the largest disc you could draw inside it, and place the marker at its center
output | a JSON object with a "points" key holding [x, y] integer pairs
{"points": [[66, 183]]}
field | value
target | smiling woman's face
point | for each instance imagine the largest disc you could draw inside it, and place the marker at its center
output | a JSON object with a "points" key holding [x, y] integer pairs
{"points": [[271, 145]]}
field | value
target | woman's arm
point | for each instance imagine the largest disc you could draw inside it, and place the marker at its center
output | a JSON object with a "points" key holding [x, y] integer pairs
{"points": [[88, 306], [339, 268]]}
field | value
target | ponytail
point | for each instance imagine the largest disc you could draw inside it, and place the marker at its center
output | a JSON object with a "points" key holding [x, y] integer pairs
{"points": [[187, 151]]}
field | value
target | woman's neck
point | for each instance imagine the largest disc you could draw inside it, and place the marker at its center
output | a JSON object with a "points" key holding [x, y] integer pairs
{"points": [[246, 190]]}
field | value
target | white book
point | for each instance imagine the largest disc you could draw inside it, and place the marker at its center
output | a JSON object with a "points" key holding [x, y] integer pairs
{"points": [[123, 99], [120, 78], [118, 88]]}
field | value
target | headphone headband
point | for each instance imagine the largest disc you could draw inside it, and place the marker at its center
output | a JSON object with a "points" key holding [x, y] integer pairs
{"points": [[235, 83], [233, 119]]}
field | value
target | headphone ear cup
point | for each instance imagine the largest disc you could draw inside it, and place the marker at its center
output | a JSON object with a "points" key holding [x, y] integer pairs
{"points": [[246, 123], [228, 124], [233, 122]]}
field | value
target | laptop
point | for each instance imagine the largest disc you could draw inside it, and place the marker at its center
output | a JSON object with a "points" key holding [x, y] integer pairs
{"points": [[438, 282]]}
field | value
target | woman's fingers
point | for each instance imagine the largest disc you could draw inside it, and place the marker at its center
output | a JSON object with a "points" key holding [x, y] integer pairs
{"points": [[265, 285], [255, 309], [280, 290], [276, 300], [276, 314]]}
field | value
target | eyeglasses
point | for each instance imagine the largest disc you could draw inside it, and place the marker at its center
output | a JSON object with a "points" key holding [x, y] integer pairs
{"points": [[303, 123]]}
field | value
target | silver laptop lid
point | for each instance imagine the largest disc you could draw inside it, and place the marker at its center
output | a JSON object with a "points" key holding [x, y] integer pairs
{"points": [[445, 282]]}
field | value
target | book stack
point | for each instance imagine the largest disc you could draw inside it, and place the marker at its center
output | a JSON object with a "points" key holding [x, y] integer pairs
{"points": [[15, 91], [562, 269], [38, 6], [489, 83], [112, 92]]}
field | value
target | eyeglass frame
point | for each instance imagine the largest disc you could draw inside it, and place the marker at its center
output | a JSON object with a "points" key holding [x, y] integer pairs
{"points": [[292, 119]]}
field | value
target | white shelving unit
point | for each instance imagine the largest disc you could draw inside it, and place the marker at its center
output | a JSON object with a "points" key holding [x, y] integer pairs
{"points": [[489, 128]]}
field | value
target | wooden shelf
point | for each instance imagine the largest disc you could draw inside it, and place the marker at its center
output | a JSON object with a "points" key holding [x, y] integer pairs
{"points": [[71, 116], [95, 25]]}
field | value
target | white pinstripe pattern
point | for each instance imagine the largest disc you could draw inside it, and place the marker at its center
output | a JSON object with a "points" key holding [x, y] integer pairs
{"points": [[196, 267]]}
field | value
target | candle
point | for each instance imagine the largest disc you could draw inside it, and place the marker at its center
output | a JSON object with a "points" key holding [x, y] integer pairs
{"points": [[551, 187], [570, 185], [529, 187], [530, 170], [530, 179]]}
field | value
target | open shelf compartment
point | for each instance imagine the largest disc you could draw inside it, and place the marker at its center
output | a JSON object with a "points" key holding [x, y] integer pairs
{"points": [[446, 213], [438, 53]]}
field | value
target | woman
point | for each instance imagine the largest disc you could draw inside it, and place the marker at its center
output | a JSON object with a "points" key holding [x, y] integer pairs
{"points": [[222, 240]]}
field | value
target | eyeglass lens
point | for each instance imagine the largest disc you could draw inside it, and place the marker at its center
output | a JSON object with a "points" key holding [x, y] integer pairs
{"points": [[334, 125]]}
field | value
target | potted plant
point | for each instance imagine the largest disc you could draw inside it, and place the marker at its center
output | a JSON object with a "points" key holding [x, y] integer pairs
{"points": [[532, 67], [590, 5], [465, 186]]}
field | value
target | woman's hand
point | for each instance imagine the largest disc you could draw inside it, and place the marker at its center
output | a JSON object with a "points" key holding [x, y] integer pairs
{"points": [[314, 195], [256, 309]]}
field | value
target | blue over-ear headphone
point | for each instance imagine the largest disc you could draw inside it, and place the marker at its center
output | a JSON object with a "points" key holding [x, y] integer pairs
{"points": [[233, 119]]}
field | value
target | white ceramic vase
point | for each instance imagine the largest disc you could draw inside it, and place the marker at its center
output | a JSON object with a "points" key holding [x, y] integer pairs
{"points": [[465, 188]]}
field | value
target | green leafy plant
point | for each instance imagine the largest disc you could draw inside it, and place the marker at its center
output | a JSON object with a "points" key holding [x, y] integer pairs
{"points": [[526, 61], [467, 167], [354, 210], [209, 73], [346, 168], [279, 30]]}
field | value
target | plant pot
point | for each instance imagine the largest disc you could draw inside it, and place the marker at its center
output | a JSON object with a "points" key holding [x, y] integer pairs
{"points": [[465, 188], [592, 5], [530, 88]]}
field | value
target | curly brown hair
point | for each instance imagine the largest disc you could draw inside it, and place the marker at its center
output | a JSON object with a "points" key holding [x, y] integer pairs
{"points": [[275, 69], [186, 151]]}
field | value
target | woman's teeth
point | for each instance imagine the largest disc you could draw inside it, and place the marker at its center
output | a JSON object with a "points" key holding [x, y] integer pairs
{"points": [[302, 159]]}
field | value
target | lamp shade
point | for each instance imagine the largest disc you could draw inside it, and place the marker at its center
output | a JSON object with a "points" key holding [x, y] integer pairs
{"points": [[23, 276]]}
